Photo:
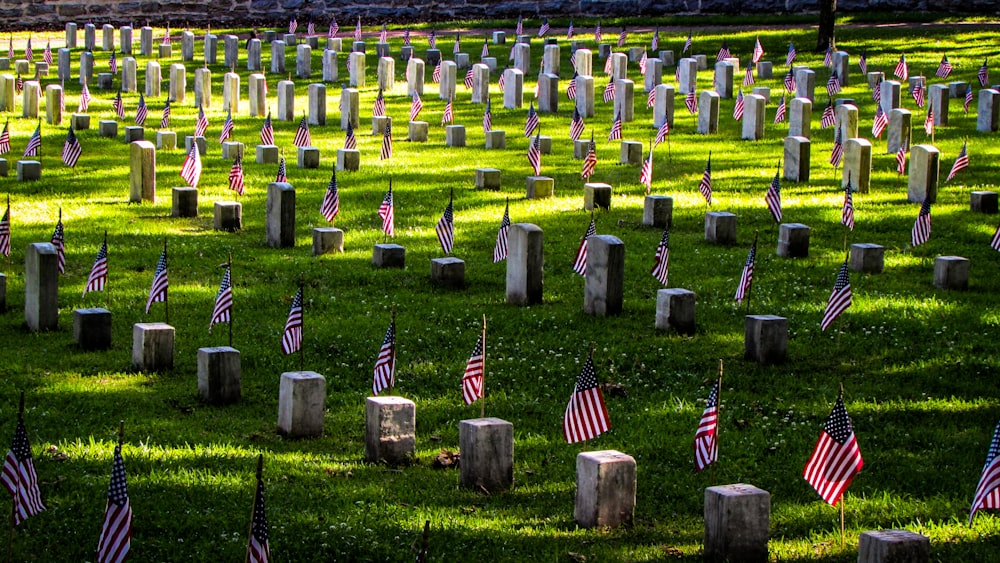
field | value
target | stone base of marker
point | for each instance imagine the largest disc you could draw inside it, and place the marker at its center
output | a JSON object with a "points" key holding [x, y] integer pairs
{"points": [[107, 128], [308, 157], [378, 124], [231, 150], [487, 447], [867, 258], [496, 139], [219, 372], [327, 240], [79, 121], [388, 255], [596, 195], [29, 170], [454, 136], [605, 489], [92, 329], [191, 140], [793, 240], [605, 279], [133, 133], [487, 179], [348, 159], [983, 202], [152, 346], [658, 211], [184, 202], [228, 216], [418, 131], [951, 272], [631, 153], [390, 430], [448, 272], [737, 523], [890, 546], [537, 187], [580, 149], [41, 287], [675, 310], [720, 227], [301, 404], [167, 140], [765, 339], [267, 154]]}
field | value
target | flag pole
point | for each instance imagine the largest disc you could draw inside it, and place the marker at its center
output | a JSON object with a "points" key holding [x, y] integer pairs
{"points": [[8, 219], [590, 357], [166, 294], [717, 403], [302, 322], [107, 290], [229, 268], [17, 485], [482, 390], [843, 540], [392, 379], [750, 289], [260, 474], [425, 540], [670, 158]]}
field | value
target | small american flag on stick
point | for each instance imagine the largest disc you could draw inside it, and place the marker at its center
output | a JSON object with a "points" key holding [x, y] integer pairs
{"points": [[158, 290], [500, 248], [922, 226], [586, 415], [98, 277], [836, 458], [961, 162], [385, 362], [706, 445], [258, 547], [746, 278], [19, 477], [116, 531], [291, 337], [472, 379], [987, 493], [661, 262], [840, 299], [580, 262], [331, 199], [445, 228]]}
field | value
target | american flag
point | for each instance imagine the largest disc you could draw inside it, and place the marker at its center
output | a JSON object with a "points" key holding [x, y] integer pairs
{"points": [[531, 122], [590, 161], [472, 379], [748, 79], [223, 310], [779, 114], [758, 52], [789, 81], [663, 131], [334, 28], [98, 277], [608, 62], [383, 35], [773, 198], [655, 44], [164, 121], [646, 174], [706, 445], [34, 142], [837, 154], [432, 41], [829, 118], [918, 94], [311, 29], [841, 297], [331, 199], [5, 138], [580, 262], [5, 231], [622, 37], [47, 54], [988, 490], [387, 141], [357, 30], [836, 459], [576, 126], [302, 136], [113, 63], [166, 36], [436, 75], [227, 127], [642, 64], [922, 226], [995, 242], [968, 99], [282, 175], [387, 212], [535, 154], [877, 90], [71, 149], [158, 291], [116, 532], [571, 87], [929, 122], [791, 54], [201, 125], [118, 105], [687, 44], [833, 84], [723, 52], [457, 47], [141, 111], [944, 69], [449, 113], [961, 162], [415, 106], [519, 28], [385, 362], [847, 213], [651, 98], [258, 547], [500, 248], [691, 102], [538, 84], [901, 71], [293, 24], [545, 27], [406, 37], [487, 118], [350, 141], [984, 75], [597, 33], [19, 476], [901, 159], [586, 414], [705, 187], [661, 261], [445, 227], [59, 241], [828, 57], [191, 169], [236, 176], [863, 62], [291, 337], [880, 122], [485, 52], [570, 30], [616, 128], [738, 107], [609, 91], [746, 278]]}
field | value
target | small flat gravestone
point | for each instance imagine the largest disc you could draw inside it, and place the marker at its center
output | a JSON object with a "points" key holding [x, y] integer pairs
{"points": [[605, 489], [390, 430]]}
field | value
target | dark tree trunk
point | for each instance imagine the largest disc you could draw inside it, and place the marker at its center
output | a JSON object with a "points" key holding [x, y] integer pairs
{"points": [[827, 19]]}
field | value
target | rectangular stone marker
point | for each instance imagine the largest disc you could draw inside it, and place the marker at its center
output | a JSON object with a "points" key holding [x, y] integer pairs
{"points": [[524, 264], [303, 61], [499, 38], [522, 57], [184, 202], [899, 130], [53, 105], [280, 215], [107, 128], [448, 272], [386, 73], [71, 33], [134, 133], [805, 84], [446, 88], [847, 121], [753, 117], [487, 447], [301, 404], [190, 140], [891, 546], [797, 159], [875, 79], [938, 96], [538, 187], [487, 179], [658, 211], [390, 430], [142, 172], [211, 49], [231, 48], [454, 136], [923, 173], [418, 131], [867, 258], [708, 112], [31, 95], [327, 240], [317, 104], [584, 95], [258, 95], [496, 139], [286, 101], [631, 153], [178, 83], [625, 99], [203, 88], [29, 170], [41, 287], [596, 195], [724, 79], [348, 159], [765, 70], [889, 95], [130, 69], [108, 37], [63, 65], [857, 164], [604, 282], [330, 70], [432, 56], [793, 240], [357, 61], [687, 75], [765, 339], [308, 157], [382, 50], [481, 86], [667, 57], [737, 523], [79, 121], [219, 372], [255, 61], [387, 255], [720, 227], [663, 105], [605, 489], [842, 64], [145, 41], [619, 66], [654, 75], [584, 61], [548, 93], [550, 59], [675, 310], [983, 202], [228, 216], [358, 47], [153, 79], [187, 46], [988, 115], [89, 37], [277, 57], [152, 346], [87, 68], [231, 92], [414, 77]]}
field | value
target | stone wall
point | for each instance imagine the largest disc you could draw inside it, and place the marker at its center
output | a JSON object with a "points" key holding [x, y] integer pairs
{"points": [[20, 14]]}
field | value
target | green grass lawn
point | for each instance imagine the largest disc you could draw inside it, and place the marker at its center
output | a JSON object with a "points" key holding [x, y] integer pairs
{"points": [[918, 364]]}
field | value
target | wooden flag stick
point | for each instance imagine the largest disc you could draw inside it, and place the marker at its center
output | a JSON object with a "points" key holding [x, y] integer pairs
{"points": [[482, 390], [590, 357], [425, 540], [13, 504], [260, 474], [229, 268], [107, 289], [750, 289], [302, 322], [843, 537], [8, 219], [121, 432], [166, 294], [717, 409], [392, 372]]}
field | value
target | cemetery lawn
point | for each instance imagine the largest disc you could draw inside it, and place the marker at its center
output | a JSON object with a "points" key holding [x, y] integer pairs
{"points": [[918, 365]]}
